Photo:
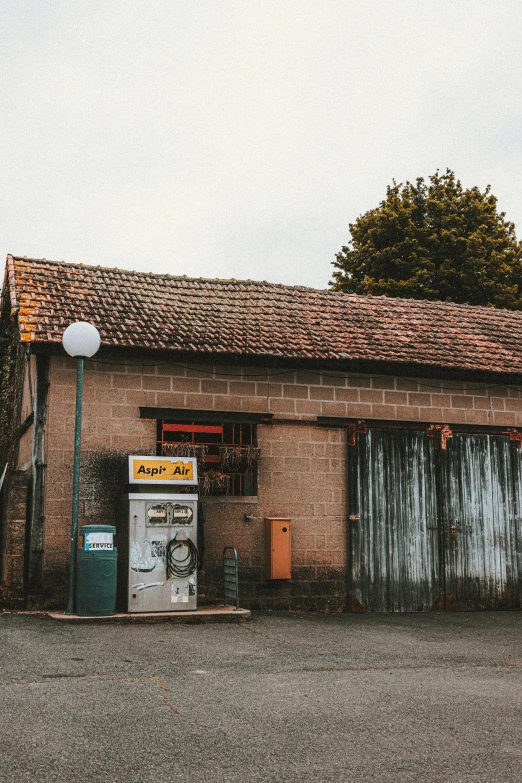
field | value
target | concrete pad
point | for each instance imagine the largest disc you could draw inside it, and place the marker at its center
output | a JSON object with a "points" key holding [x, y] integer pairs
{"points": [[208, 614], [284, 698]]}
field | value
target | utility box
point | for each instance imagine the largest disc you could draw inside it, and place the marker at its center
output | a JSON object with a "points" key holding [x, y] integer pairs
{"points": [[97, 572], [162, 559], [278, 548]]}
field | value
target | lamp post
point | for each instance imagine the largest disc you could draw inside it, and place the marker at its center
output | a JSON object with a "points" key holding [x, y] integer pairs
{"points": [[81, 340]]}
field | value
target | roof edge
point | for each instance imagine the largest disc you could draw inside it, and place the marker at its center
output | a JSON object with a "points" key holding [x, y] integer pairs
{"points": [[10, 277]]}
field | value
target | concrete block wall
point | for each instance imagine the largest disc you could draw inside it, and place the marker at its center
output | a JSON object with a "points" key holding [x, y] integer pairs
{"points": [[301, 477], [13, 534], [110, 421], [302, 469], [14, 512]]}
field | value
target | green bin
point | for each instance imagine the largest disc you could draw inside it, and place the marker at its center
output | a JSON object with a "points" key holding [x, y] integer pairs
{"points": [[97, 569]]}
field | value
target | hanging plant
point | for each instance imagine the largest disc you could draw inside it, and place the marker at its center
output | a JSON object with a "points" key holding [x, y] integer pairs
{"points": [[213, 483], [185, 450], [238, 459]]}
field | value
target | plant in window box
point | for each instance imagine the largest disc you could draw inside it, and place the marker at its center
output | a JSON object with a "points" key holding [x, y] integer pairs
{"points": [[212, 482], [185, 450], [238, 459]]}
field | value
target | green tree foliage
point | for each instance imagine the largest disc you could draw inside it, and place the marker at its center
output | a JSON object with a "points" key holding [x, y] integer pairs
{"points": [[434, 241]]}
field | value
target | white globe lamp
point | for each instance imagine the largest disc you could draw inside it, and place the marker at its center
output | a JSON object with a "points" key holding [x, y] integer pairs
{"points": [[81, 339]]}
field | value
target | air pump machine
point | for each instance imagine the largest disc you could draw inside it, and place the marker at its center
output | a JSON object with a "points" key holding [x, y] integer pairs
{"points": [[161, 556]]}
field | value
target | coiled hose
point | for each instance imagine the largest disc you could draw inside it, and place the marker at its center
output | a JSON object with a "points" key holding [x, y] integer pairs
{"points": [[185, 567]]}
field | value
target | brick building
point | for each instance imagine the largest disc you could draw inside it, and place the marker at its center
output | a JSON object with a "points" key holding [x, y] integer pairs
{"points": [[388, 432]]}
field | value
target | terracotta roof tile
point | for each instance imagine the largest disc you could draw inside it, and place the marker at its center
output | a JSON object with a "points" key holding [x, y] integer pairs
{"points": [[258, 318]]}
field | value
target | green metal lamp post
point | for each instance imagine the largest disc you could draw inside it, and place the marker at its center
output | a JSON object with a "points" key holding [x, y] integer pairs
{"points": [[81, 340]]}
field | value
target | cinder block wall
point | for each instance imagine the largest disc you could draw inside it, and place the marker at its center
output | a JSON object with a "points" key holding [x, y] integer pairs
{"points": [[302, 470], [301, 477], [13, 543]]}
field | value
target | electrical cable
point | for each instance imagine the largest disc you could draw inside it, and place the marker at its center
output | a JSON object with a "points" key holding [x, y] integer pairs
{"points": [[207, 372], [268, 375], [185, 567]]}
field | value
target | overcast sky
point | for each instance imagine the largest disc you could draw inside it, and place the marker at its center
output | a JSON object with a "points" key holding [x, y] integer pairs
{"points": [[239, 138]]}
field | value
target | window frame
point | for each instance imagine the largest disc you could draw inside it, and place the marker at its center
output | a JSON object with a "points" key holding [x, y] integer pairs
{"points": [[200, 430]]}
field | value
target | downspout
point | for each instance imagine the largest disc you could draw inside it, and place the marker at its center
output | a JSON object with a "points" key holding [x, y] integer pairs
{"points": [[35, 520]]}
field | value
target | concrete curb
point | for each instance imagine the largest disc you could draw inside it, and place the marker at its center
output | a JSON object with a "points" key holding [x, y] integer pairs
{"points": [[214, 614]]}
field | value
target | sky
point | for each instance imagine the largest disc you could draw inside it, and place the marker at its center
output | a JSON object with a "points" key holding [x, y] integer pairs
{"points": [[240, 138]]}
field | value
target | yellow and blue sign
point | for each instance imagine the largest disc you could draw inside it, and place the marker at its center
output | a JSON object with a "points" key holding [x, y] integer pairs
{"points": [[163, 470]]}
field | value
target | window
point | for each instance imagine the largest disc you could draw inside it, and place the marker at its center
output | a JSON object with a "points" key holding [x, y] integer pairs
{"points": [[222, 471]]}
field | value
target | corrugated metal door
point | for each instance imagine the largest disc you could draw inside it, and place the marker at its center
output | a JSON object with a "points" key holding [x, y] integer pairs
{"points": [[480, 493], [394, 545], [435, 521]]}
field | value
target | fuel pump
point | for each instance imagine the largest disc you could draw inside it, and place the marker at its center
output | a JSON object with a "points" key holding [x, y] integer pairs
{"points": [[162, 553]]}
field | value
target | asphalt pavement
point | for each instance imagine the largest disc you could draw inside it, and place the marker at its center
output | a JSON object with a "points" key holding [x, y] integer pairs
{"points": [[284, 697]]}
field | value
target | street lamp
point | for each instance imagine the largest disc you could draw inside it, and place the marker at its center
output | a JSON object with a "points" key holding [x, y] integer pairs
{"points": [[81, 340]]}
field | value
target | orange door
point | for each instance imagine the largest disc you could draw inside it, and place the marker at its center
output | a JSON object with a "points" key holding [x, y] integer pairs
{"points": [[278, 549]]}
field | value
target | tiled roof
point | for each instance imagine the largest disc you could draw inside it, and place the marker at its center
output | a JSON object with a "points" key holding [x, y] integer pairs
{"points": [[243, 317]]}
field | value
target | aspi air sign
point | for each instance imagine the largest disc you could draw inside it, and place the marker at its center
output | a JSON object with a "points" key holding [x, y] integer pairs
{"points": [[163, 470]]}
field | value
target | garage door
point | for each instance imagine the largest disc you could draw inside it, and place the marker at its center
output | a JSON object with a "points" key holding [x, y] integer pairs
{"points": [[434, 519]]}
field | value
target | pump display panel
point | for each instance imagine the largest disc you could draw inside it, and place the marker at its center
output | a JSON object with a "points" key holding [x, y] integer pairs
{"points": [[169, 514]]}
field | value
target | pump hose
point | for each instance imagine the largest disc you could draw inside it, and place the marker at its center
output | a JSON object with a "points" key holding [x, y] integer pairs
{"points": [[185, 567]]}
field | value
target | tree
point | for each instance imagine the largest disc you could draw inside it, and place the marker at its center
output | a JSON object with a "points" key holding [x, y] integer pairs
{"points": [[434, 241]]}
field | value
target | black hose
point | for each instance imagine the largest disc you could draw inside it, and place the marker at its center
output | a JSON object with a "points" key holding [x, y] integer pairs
{"points": [[185, 567]]}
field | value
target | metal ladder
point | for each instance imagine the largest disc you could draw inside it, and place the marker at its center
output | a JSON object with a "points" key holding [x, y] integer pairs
{"points": [[230, 576]]}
